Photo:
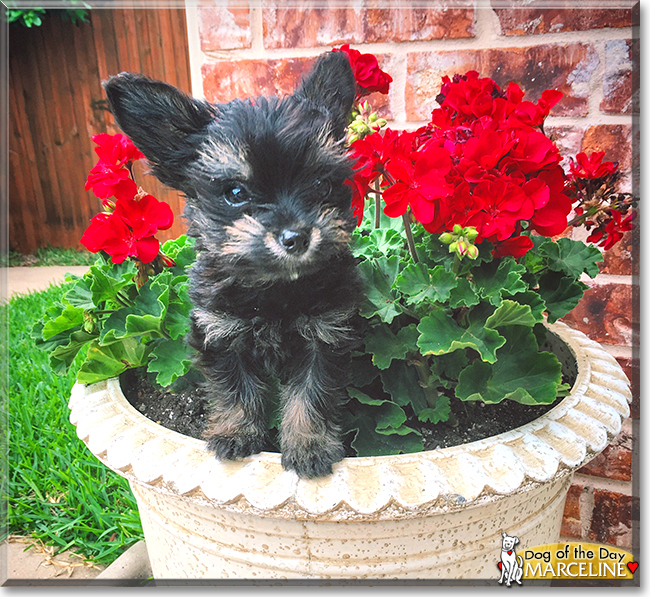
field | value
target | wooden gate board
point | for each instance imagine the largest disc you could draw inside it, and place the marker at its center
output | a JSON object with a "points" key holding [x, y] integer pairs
{"points": [[57, 103]]}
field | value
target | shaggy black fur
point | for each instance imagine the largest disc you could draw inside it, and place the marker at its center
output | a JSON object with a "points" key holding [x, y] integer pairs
{"points": [[274, 288]]}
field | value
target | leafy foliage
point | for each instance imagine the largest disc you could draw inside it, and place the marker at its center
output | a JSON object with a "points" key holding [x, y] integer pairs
{"points": [[123, 324], [447, 328]]}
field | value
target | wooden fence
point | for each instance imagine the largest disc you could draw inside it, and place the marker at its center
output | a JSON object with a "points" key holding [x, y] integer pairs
{"points": [[57, 104]]}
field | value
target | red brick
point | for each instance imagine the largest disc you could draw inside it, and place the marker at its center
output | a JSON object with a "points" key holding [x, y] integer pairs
{"points": [[224, 28], [611, 521], [309, 27], [568, 139], [419, 24], [618, 76], [631, 368], [566, 67], [537, 17], [571, 524], [615, 462], [227, 80], [605, 315], [290, 27]]}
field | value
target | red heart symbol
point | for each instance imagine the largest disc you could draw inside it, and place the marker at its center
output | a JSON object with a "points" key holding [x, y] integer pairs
{"points": [[500, 565], [510, 553], [633, 566]]}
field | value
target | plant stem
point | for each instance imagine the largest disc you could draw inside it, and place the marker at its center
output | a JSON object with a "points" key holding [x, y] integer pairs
{"points": [[423, 369], [377, 204], [409, 237]]}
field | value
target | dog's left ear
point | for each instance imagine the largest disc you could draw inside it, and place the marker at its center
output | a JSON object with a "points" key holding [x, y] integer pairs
{"points": [[330, 85], [516, 540]]}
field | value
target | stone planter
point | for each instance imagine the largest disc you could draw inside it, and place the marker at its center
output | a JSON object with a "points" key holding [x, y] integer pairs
{"points": [[436, 514]]}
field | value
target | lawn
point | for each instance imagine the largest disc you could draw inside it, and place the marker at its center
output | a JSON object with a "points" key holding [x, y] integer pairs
{"points": [[54, 489]]}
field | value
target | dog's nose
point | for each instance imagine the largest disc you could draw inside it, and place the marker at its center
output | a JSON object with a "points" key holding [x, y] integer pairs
{"points": [[294, 242]]}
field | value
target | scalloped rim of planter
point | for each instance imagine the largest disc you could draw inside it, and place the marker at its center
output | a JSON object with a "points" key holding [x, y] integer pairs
{"points": [[560, 441]]}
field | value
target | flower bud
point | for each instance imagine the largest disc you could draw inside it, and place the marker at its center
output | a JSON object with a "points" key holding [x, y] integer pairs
{"points": [[472, 251], [457, 229], [452, 247], [471, 233], [446, 238], [461, 248]]}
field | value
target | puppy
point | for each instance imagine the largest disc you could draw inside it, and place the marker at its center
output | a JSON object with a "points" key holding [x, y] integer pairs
{"points": [[274, 287]]}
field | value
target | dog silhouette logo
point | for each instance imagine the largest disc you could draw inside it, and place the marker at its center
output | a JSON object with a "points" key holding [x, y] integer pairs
{"points": [[510, 564]]}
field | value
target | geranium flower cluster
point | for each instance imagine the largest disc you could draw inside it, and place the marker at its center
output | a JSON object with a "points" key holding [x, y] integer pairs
{"points": [[127, 227], [483, 162], [607, 214]]}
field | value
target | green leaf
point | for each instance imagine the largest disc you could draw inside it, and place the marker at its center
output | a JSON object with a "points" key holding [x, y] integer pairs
{"points": [[68, 317], [463, 294], [103, 362], [63, 355], [401, 381], [497, 279], [381, 299], [440, 413], [385, 346], [378, 427], [109, 278], [419, 283], [362, 371], [440, 334], [534, 301], [80, 295], [560, 293], [572, 257], [511, 313], [521, 373], [171, 360]]}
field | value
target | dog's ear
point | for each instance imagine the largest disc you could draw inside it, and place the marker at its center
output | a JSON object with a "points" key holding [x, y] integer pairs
{"points": [[330, 85], [504, 535], [164, 123], [516, 540]]}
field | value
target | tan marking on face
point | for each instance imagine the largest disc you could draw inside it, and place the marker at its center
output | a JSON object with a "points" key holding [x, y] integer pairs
{"points": [[242, 235]]}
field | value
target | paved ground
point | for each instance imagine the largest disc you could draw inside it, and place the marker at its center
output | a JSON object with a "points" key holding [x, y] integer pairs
{"points": [[21, 557], [23, 280]]}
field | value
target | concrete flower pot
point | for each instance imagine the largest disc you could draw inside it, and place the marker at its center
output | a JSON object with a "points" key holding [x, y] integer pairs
{"points": [[436, 514]]}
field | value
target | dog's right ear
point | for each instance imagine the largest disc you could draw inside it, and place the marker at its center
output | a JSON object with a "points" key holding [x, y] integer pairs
{"points": [[164, 123]]}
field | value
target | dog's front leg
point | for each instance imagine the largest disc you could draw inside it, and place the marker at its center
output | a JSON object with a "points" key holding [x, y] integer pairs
{"points": [[311, 396], [237, 425]]}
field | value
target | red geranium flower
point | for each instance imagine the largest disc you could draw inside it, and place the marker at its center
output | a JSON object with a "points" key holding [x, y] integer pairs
{"points": [[367, 74], [116, 150], [129, 230], [592, 166], [107, 180]]}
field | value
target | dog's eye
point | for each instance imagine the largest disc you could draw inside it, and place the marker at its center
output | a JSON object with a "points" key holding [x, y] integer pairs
{"points": [[236, 195], [322, 188]]}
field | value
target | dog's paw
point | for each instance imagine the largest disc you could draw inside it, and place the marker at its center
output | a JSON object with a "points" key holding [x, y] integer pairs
{"points": [[310, 464], [236, 446]]}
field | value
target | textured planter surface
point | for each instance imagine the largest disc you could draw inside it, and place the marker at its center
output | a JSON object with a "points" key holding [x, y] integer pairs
{"points": [[436, 514]]}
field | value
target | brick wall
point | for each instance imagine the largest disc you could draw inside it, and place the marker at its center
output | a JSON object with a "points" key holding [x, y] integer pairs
{"points": [[240, 48]]}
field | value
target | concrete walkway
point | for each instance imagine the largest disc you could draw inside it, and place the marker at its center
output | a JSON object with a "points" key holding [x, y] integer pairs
{"points": [[23, 560], [23, 280]]}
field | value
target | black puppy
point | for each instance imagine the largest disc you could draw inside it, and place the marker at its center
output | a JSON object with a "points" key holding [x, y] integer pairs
{"points": [[275, 286]]}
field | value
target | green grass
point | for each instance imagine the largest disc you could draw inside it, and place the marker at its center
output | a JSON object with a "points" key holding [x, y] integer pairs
{"points": [[55, 488], [52, 256]]}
